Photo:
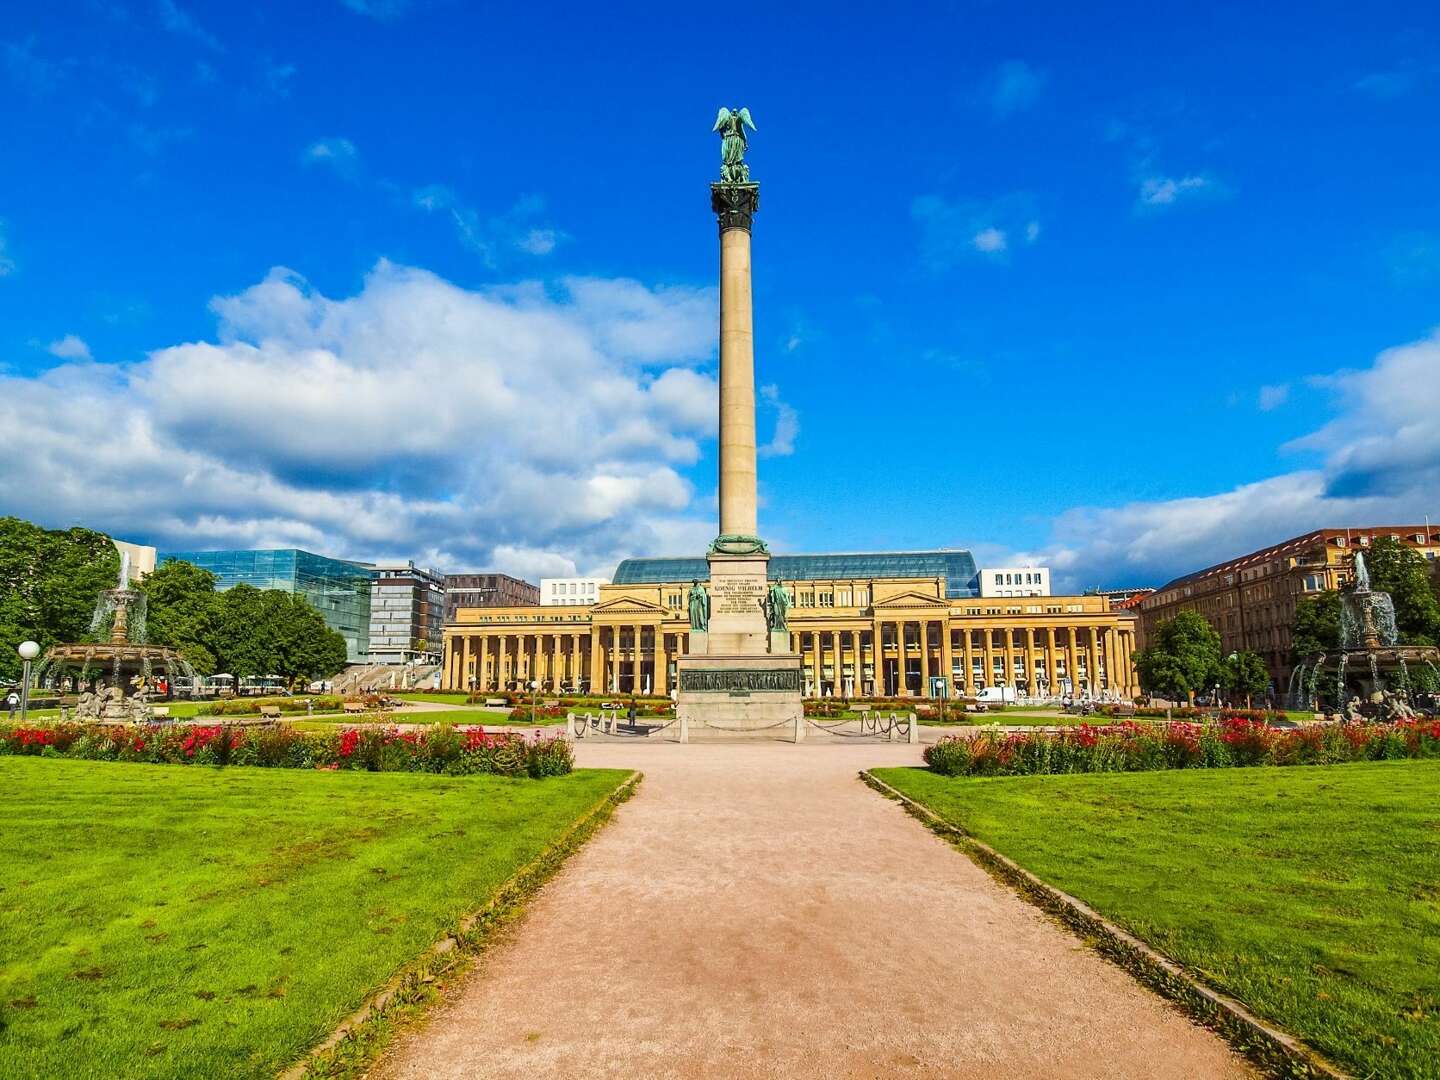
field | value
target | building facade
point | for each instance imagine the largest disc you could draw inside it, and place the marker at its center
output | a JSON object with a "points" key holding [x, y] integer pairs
{"points": [[571, 590], [1014, 581], [407, 614], [1251, 599], [339, 590], [858, 636], [486, 590], [142, 557]]}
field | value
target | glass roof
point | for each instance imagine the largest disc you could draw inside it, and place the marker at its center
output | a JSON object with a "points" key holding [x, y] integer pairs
{"points": [[956, 567]]}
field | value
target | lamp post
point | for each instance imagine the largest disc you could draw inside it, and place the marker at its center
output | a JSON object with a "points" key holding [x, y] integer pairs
{"points": [[28, 650], [534, 688]]}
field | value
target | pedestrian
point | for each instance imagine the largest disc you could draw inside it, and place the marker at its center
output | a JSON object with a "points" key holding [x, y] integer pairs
{"points": [[630, 714], [12, 702]]}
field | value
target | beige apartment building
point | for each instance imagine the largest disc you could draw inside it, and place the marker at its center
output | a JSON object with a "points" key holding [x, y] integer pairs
{"points": [[1251, 599], [858, 636]]}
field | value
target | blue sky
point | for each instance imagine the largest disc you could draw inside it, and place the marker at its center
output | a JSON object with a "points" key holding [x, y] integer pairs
{"points": [[1127, 291]]}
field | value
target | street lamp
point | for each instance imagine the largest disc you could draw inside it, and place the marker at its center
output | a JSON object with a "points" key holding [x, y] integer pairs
{"points": [[534, 688], [28, 650]]}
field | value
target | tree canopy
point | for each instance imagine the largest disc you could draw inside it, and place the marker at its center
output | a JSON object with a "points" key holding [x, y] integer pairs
{"points": [[242, 631], [1245, 674], [49, 582], [1316, 628], [1183, 659]]}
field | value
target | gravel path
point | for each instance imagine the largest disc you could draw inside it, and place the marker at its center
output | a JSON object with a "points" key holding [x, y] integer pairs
{"points": [[756, 910]]}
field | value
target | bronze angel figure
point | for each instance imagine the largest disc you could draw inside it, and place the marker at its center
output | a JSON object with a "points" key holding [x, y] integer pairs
{"points": [[733, 144]]}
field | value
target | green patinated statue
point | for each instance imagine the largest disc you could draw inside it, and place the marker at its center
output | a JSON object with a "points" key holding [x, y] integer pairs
{"points": [[777, 607], [699, 607], [733, 144]]}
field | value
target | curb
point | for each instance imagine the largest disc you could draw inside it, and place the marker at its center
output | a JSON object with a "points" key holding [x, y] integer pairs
{"points": [[1277, 1052], [472, 935]]}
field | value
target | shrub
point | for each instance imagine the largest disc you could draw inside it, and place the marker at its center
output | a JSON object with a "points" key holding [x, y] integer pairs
{"points": [[1235, 741], [441, 749], [242, 706]]}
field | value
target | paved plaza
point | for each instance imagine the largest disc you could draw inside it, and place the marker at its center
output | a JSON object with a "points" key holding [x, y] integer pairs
{"points": [[755, 910]]}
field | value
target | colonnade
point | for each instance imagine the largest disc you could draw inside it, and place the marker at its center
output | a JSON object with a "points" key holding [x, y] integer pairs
{"points": [[840, 660], [843, 661]]}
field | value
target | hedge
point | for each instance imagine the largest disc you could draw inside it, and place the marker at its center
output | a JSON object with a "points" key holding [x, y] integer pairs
{"points": [[243, 706], [1235, 741], [439, 749]]}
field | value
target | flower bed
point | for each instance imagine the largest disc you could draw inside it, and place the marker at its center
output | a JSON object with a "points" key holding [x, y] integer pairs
{"points": [[1234, 741], [440, 749]]}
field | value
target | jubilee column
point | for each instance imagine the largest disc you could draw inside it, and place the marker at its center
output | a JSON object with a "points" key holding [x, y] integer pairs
{"points": [[738, 669]]}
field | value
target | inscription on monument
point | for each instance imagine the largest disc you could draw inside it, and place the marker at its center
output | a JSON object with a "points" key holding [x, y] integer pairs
{"points": [[743, 679], [737, 595]]}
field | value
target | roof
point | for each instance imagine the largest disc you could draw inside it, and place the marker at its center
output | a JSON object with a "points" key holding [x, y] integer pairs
{"points": [[957, 567]]}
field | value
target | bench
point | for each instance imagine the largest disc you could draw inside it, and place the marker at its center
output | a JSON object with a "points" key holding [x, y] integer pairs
{"points": [[351, 707], [160, 712], [496, 703], [1125, 711], [270, 712], [550, 703]]}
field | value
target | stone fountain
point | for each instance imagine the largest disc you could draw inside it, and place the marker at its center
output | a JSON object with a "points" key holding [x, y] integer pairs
{"points": [[117, 675], [1371, 668]]}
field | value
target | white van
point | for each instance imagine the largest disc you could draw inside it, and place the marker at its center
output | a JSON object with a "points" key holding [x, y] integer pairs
{"points": [[996, 695]]}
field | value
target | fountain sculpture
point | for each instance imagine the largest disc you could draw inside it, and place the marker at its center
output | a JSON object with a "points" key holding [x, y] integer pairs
{"points": [[1372, 668], [117, 675]]}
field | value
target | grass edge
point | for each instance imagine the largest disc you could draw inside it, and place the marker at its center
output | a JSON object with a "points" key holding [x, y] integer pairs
{"points": [[1275, 1051], [358, 1041]]}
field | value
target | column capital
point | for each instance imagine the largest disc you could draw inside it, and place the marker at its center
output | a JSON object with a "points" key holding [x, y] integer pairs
{"points": [[735, 204]]}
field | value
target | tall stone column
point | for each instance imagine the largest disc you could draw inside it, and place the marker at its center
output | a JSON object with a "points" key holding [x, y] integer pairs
{"points": [[735, 206]]}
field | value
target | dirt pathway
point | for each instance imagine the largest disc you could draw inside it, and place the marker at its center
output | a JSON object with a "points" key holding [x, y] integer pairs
{"points": [[757, 911]]}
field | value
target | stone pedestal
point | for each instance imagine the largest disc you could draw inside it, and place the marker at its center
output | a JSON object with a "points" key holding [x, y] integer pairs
{"points": [[738, 585], [743, 694]]}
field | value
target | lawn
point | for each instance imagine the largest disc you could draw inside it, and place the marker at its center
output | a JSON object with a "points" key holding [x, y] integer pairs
{"points": [[1311, 893], [170, 920], [434, 697], [457, 717]]}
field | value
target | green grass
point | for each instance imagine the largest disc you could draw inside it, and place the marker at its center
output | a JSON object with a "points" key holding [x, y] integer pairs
{"points": [[1312, 894], [184, 921], [435, 698], [490, 717]]}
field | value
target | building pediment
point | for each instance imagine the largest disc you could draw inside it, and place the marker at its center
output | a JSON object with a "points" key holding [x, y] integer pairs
{"points": [[911, 601], [629, 605]]}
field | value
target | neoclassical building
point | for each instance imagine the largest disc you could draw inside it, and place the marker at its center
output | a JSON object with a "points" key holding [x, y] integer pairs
{"points": [[882, 624]]}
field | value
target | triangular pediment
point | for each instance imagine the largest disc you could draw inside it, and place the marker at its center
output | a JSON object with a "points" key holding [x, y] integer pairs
{"points": [[910, 600], [629, 605]]}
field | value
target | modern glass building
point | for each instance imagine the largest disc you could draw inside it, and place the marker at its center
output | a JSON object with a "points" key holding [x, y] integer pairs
{"points": [[339, 590], [956, 567]]}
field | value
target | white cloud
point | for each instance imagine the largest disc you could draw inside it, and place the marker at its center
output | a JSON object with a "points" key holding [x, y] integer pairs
{"points": [[182, 23], [1380, 465], [336, 152], [491, 237], [1272, 397], [70, 347], [1162, 191], [952, 230], [1014, 86], [415, 419], [989, 240], [787, 424]]}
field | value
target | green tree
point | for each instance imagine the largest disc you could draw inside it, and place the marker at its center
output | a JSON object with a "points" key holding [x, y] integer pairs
{"points": [[1398, 569], [239, 638], [273, 632], [1316, 628], [182, 608], [49, 582], [1245, 675], [1184, 658]]}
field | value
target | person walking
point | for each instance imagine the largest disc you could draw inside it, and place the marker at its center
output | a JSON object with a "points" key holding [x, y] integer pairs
{"points": [[12, 702]]}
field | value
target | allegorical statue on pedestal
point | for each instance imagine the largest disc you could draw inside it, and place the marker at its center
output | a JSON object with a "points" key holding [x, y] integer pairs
{"points": [[777, 607], [733, 144], [699, 607]]}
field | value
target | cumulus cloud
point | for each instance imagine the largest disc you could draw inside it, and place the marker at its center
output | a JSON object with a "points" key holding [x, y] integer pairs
{"points": [[521, 427], [1014, 86], [70, 347], [1379, 465], [952, 230]]}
